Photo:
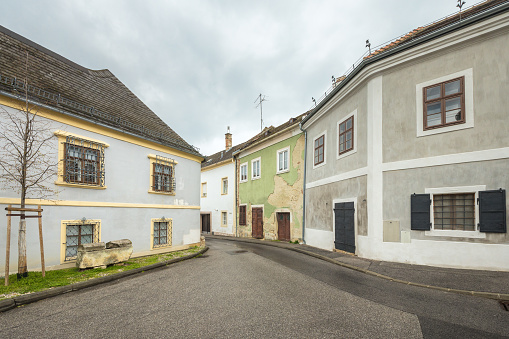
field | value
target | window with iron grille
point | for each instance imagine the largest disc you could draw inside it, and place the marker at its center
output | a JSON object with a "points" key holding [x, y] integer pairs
{"points": [[242, 215], [78, 233], [319, 147], [161, 232], [346, 135], [163, 175], [83, 162], [454, 211], [444, 103]]}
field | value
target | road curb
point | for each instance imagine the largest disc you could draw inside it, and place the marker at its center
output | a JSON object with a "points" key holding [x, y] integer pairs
{"points": [[11, 303], [488, 295]]}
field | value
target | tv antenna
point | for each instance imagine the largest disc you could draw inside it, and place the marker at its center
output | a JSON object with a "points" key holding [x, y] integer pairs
{"points": [[260, 99], [460, 5]]}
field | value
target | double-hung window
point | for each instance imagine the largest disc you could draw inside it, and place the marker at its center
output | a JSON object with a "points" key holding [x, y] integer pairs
{"points": [[319, 150], [346, 139], [444, 103], [283, 157], [256, 169], [243, 172], [224, 218], [83, 162], [224, 186]]}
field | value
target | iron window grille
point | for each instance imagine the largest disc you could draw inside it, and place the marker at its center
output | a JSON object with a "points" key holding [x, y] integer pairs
{"points": [[79, 233], [162, 233], [444, 103], [83, 161], [346, 136], [319, 150], [454, 211], [163, 177]]}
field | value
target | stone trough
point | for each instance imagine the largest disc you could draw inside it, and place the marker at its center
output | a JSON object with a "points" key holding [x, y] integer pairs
{"points": [[99, 254]]}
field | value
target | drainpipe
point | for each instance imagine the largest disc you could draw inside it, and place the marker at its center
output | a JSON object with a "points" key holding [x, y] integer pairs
{"points": [[304, 183], [236, 197]]}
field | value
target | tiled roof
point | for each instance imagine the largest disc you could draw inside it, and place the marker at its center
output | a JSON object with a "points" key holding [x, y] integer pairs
{"points": [[420, 31], [95, 95], [265, 134]]}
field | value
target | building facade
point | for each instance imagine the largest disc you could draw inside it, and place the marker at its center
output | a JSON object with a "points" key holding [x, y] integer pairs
{"points": [[122, 172], [407, 158], [271, 178]]}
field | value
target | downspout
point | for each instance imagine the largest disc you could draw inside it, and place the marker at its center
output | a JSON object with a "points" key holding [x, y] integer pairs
{"points": [[236, 196], [304, 183]]}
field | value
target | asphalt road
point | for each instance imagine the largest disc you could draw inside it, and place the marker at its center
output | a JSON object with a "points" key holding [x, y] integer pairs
{"points": [[240, 290]]}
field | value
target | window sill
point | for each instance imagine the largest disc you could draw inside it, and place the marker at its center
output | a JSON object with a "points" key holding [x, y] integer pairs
{"points": [[319, 165], [256, 178], [456, 234], [163, 193], [224, 193], [243, 181], [160, 247], [283, 171], [67, 184]]}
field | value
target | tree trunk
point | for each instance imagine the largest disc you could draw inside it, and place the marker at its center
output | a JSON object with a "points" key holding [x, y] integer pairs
{"points": [[22, 249]]}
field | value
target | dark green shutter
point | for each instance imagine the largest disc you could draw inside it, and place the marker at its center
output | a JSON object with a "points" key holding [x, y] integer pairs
{"points": [[492, 211], [420, 210]]}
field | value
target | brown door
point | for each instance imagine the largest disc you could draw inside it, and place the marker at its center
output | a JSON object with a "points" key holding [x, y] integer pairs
{"points": [[205, 223], [283, 226], [257, 223]]}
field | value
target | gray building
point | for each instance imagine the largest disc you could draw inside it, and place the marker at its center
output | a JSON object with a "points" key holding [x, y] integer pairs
{"points": [[122, 172], [407, 156]]}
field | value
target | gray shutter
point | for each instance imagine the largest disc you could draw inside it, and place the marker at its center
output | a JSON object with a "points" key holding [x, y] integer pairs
{"points": [[420, 210], [492, 211]]}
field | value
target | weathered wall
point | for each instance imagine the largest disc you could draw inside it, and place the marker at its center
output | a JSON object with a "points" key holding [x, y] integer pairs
{"points": [[275, 192]]}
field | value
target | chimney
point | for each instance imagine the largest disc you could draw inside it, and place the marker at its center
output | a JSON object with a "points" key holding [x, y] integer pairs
{"points": [[228, 139]]}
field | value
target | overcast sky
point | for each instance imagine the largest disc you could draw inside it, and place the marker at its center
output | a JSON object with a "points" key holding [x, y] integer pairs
{"points": [[200, 65]]}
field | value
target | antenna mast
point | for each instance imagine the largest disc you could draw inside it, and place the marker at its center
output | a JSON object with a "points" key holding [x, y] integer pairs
{"points": [[260, 99]]}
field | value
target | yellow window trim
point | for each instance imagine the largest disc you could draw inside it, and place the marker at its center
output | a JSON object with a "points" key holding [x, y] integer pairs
{"points": [[222, 180], [152, 158], [201, 190], [169, 234], [16, 201], [222, 224], [94, 128], [63, 235], [163, 193], [63, 134], [67, 184]]}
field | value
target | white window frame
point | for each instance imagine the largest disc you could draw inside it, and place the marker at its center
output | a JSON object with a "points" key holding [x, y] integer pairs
{"points": [[243, 165], [324, 133], [354, 149], [278, 153], [468, 74], [259, 159], [201, 189], [456, 233]]}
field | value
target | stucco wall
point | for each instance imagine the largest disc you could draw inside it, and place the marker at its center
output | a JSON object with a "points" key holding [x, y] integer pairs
{"points": [[215, 202], [487, 57], [275, 192]]}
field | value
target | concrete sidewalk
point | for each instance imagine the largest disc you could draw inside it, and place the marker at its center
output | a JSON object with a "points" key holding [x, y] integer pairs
{"points": [[489, 284]]}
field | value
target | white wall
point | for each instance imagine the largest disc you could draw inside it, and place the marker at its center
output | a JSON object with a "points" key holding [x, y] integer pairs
{"points": [[215, 202]]}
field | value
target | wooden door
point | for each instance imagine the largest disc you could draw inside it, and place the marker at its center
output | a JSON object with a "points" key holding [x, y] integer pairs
{"points": [[205, 223], [257, 223], [283, 226], [344, 225]]}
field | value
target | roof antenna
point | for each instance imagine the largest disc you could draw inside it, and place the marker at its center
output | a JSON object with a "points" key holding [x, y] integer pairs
{"points": [[368, 45], [459, 5], [313, 99], [260, 99]]}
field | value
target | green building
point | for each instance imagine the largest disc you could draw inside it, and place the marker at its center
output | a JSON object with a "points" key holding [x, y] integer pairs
{"points": [[270, 174]]}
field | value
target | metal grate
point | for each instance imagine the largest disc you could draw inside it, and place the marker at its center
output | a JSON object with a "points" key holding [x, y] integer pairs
{"points": [[504, 304], [78, 233], [162, 233], [84, 161], [163, 177], [454, 211]]}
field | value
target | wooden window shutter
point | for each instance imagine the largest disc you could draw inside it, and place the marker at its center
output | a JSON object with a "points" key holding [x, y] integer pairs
{"points": [[420, 212], [492, 211]]}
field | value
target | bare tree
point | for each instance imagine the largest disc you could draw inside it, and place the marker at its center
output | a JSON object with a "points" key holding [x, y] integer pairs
{"points": [[27, 157]]}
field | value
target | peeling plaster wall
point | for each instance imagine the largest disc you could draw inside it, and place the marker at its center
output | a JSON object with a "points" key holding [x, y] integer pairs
{"points": [[275, 192]]}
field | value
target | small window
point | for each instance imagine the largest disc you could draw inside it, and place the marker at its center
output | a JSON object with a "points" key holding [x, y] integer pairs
{"points": [[84, 162], [242, 215], [444, 103], [346, 137], [224, 186], [79, 232], [282, 160], [243, 172], [161, 232], [255, 168], [204, 189], [224, 218], [319, 147]]}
